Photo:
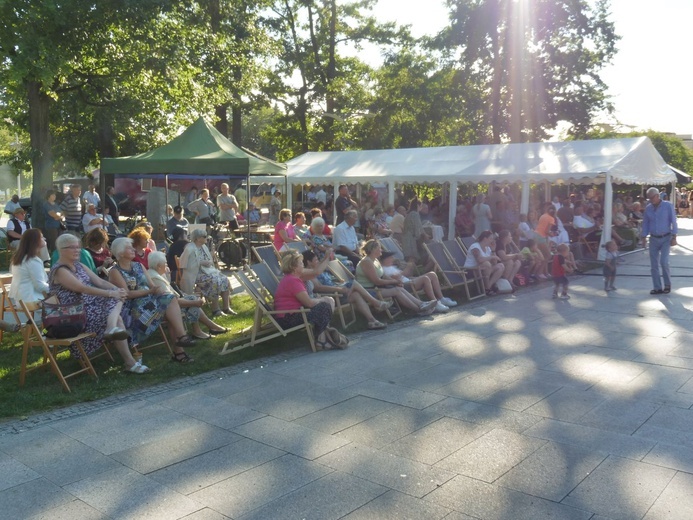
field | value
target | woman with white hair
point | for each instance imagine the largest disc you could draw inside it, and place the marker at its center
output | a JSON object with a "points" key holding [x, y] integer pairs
{"points": [[316, 235], [190, 306], [146, 304], [198, 270], [72, 282]]}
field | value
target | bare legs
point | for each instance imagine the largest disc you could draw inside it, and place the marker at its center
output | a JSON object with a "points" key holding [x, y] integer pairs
{"points": [[429, 284], [491, 273], [175, 323], [512, 267], [403, 298]]}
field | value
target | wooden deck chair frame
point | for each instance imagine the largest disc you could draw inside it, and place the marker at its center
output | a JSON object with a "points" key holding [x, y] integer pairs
{"points": [[179, 272], [342, 306], [466, 243], [458, 256], [591, 245], [33, 337], [452, 276], [6, 305], [269, 255], [270, 329], [338, 269], [390, 245]]}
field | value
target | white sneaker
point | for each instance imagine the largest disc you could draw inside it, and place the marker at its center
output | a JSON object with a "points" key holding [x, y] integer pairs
{"points": [[448, 302], [440, 307]]}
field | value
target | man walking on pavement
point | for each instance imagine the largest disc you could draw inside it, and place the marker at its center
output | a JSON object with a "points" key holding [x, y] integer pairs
{"points": [[659, 222]]}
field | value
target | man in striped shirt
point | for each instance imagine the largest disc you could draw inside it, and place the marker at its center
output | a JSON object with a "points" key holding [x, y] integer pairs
{"points": [[72, 208]]}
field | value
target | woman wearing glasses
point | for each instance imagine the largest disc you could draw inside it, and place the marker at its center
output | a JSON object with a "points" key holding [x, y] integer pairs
{"points": [[199, 271], [72, 282]]}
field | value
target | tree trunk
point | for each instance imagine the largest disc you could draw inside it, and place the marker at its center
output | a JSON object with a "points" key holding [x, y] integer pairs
{"points": [[222, 123], [41, 155]]}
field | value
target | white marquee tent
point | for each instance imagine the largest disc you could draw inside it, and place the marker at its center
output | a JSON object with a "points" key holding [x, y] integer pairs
{"points": [[620, 161]]}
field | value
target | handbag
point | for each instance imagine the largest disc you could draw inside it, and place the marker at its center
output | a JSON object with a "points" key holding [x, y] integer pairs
{"points": [[63, 320]]}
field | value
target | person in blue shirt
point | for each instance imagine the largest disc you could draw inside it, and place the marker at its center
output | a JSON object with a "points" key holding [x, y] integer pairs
{"points": [[659, 222]]}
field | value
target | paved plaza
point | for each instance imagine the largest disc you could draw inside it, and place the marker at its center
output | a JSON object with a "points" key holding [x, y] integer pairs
{"points": [[517, 407]]}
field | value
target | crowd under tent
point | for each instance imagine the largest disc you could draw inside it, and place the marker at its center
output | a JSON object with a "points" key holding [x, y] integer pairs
{"points": [[200, 152], [601, 161]]}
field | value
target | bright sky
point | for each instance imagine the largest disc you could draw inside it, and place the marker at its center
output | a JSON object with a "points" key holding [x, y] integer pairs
{"points": [[650, 79]]}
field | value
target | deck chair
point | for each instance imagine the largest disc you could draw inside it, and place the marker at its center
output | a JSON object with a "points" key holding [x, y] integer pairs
{"points": [[51, 348], [265, 325], [591, 246], [6, 306], [466, 242], [179, 272], [264, 275], [452, 276], [268, 254], [459, 257], [390, 245], [339, 270], [297, 246]]}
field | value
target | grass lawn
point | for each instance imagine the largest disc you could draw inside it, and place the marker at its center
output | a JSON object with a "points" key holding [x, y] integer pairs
{"points": [[42, 390]]}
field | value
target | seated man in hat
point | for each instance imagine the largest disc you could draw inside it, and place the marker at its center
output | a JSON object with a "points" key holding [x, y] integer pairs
{"points": [[16, 226]]}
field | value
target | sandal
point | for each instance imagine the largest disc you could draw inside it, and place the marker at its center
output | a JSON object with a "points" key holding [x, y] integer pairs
{"points": [[218, 313], [200, 337], [138, 368], [185, 341], [667, 289], [657, 291], [376, 325], [182, 357], [229, 311], [217, 332]]}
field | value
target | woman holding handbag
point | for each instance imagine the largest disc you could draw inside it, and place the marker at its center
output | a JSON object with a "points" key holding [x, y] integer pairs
{"points": [[72, 282]]}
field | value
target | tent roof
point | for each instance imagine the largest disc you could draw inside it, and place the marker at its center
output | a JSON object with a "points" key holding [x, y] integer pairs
{"points": [[201, 149], [629, 161]]}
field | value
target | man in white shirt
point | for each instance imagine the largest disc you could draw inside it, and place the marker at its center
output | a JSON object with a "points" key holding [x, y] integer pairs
{"points": [[344, 238], [92, 197], [16, 227], [227, 206], [91, 219], [321, 195], [12, 205]]}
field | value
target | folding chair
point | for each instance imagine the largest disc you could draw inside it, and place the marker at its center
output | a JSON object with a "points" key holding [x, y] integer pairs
{"points": [[6, 305], [297, 246], [590, 245], [343, 274], [270, 328], [390, 245], [51, 348], [268, 254], [459, 257], [452, 276], [179, 272], [466, 242]]}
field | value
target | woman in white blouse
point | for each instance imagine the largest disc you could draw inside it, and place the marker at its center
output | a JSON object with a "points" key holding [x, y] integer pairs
{"points": [[198, 270], [29, 280]]}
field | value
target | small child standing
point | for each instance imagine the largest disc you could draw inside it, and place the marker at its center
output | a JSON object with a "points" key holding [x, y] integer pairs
{"points": [[559, 268], [610, 265]]}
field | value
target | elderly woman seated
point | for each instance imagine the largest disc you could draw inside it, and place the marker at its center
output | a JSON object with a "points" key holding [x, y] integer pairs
{"points": [[361, 299], [292, 295], [199, 271], [146, 304], [140, 241], [319, 241], [370, 274], [480, 255], [191, 306], [72, 282]]}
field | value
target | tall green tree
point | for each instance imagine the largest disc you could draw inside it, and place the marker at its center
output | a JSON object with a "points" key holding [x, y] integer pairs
{"points": [[316, 84], [538, 62]]}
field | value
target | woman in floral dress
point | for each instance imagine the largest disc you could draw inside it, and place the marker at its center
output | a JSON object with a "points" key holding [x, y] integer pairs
{"points": [[72, 282], [147, 304]]}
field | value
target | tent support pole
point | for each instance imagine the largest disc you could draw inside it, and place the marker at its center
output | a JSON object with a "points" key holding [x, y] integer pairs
{"points": [[452, 209], [335, 194], [608, 216], [524, 202], [391, 193]]}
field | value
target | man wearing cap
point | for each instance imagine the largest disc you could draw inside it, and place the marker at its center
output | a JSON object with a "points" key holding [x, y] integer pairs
{"points": [[176, 221], [91, 219], [659, 221], [72, 208], [12, 205], [16, 226]]}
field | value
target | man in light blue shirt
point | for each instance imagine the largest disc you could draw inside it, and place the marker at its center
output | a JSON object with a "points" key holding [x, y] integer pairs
{"points": [[659, 222]]}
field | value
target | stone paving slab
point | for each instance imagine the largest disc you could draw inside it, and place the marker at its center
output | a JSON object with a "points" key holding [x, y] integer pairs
{"points": [[516, 407]]}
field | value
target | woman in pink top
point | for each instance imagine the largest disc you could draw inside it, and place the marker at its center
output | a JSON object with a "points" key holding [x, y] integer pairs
{"points": [[292, 295], [284, 231]]}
